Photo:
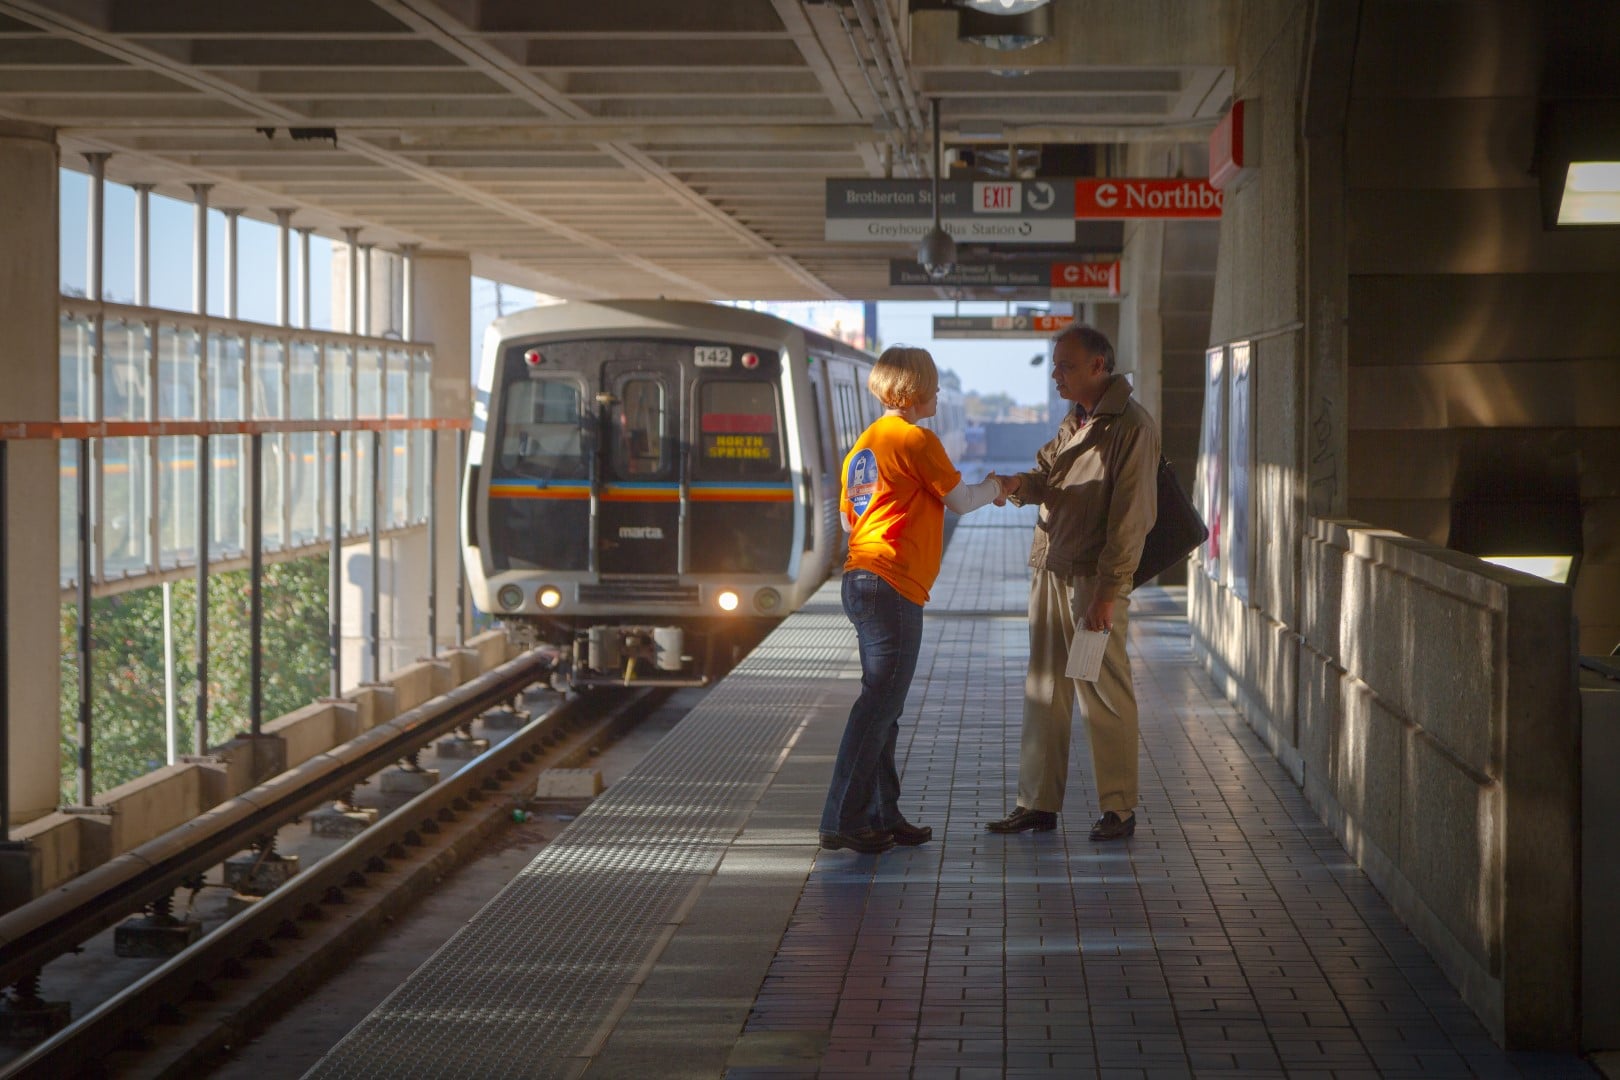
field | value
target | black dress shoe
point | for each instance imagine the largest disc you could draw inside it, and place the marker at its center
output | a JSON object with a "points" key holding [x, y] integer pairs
{"points": [[866, 840], [911, 835], [1022, 820], [1110, 827]]}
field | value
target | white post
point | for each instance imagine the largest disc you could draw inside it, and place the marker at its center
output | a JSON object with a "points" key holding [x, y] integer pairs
{"points": [[303, 275], [143, 247], [283, 266], [171, 720], [231, 217]]}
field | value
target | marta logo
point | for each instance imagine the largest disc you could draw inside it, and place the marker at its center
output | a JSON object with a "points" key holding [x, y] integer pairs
{"points": [[862, 481]]}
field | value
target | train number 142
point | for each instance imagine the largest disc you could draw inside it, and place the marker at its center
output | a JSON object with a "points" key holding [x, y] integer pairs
{"points": [[711, 356]]}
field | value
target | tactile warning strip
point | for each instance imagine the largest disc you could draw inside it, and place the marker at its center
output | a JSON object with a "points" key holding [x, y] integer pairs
{"points": [[524, 988]]}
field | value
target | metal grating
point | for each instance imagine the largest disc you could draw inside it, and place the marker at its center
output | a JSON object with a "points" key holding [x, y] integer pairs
{"points": [[658, 591], [524, 988]]}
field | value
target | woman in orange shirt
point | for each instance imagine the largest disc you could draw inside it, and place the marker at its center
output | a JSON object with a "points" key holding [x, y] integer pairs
{"points": [[897, 483]]}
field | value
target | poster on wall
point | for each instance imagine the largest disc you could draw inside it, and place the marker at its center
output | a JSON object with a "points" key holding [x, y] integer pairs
{"points": [[1211, 450], [1239, 454]]}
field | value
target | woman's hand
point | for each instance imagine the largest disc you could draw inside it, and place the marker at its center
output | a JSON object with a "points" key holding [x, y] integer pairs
{"points": [[1001, 488], [1009, 486]]}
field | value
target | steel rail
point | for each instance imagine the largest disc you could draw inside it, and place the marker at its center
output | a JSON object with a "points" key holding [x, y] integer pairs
{"points": [[153, 997], [39, 931]]}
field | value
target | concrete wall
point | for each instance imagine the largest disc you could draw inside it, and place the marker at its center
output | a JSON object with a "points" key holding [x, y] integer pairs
{"points": [[1449, 779], [1168, 280], [1475, 334], [1423, 699]]}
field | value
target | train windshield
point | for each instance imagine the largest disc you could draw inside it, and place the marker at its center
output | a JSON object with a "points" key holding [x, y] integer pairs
{"points": [[544, 433]]}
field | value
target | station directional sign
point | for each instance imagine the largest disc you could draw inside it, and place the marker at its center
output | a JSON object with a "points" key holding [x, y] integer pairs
{"points": [[1116, 199], [972, 211], [1008, 211], [999, 326], [1060, 280]]}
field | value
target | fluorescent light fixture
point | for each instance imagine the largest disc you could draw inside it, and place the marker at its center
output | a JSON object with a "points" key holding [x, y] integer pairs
{"points": [[1003, 7], [1554, 568], [1577, 162], [1591, 194]]}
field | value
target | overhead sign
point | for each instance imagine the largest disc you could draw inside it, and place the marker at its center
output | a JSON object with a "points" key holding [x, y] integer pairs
{"points": [[1233, 146], [1114, 199], [981, 212], [1085, 280], [999, 326], [1016, 275], [1062, 281]]}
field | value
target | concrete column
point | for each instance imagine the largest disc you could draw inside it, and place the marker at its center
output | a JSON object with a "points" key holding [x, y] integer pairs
{"points": [[28, 310], [441, 310], [440, 301]]}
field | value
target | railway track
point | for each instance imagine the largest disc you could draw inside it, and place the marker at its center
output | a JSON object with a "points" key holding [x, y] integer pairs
{"points": [[208, 997]]}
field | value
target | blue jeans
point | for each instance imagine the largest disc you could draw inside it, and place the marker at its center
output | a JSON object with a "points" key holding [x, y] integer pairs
{"points": [[865, 785]]}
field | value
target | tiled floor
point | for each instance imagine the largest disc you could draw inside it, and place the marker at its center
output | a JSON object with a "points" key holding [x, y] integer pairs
{"points": [[1231, 937]]}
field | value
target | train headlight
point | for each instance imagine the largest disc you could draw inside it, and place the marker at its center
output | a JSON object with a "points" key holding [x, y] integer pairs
{"points": [[727, 600], [549, 597], [510, 597], [767, 600]]}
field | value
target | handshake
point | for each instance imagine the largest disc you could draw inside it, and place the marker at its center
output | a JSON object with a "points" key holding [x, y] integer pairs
{"points": [[1006, 485]]}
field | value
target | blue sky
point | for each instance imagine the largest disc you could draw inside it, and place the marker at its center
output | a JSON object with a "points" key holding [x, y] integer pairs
{"points": [[985, 366]]}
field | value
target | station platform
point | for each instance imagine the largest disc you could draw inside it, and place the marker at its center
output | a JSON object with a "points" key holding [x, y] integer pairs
{"points": [[687, 925]]}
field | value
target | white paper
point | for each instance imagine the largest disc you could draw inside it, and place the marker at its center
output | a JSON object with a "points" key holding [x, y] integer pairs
{"points": [[1086, 654]]}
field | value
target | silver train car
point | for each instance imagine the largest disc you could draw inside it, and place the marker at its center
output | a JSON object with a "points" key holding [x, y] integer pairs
{"points": [[650, 481]]}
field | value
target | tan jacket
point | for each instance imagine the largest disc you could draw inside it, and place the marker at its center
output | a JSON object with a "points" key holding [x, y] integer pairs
{"points": [[1097, 486]]}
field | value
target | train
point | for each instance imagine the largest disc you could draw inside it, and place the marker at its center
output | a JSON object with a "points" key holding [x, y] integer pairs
{"points": [[651, 481]]}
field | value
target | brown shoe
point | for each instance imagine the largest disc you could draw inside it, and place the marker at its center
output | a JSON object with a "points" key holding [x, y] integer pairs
{"points": [[1022, 820], [908, 835], [866, 840], [1110, 827]]}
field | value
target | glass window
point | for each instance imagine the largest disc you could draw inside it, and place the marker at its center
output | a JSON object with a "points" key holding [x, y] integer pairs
{"points": [[639, 429], [124, 371], [738, 434], [543, 431]]}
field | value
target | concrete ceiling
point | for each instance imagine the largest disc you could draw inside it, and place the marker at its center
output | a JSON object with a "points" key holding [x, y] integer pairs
{"points": [[592, 149]]}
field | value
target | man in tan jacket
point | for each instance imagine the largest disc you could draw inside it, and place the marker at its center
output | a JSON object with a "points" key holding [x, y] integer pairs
{"points": [[1096, 484]]}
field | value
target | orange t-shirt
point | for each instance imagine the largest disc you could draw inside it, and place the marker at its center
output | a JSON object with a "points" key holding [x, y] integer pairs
{"points": [[895, 480]]}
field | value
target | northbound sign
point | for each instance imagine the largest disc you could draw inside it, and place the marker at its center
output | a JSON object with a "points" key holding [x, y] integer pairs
{"points": [[1115, 199]]}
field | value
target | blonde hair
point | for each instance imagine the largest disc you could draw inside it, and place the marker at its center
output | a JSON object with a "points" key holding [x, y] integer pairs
{"points": [[903, 376]]}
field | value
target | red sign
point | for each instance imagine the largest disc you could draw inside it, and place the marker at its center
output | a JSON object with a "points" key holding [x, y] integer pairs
{"points": [[1050, 324], [1228, 154], [1111, 199], [1101, 276]]}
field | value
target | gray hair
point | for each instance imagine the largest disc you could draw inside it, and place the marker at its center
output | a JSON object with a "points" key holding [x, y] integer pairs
{"points": [[1092, 340]]}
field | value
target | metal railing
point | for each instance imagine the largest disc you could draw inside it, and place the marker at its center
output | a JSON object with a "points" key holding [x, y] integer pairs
{"points": [[124, 365], [88, 439]]}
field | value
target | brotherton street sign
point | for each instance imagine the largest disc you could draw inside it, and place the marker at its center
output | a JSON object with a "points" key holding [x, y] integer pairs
{"points": [[978, 212]]}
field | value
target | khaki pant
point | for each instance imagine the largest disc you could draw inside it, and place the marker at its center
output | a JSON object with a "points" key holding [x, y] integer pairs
{"points": [[1055, 608]]}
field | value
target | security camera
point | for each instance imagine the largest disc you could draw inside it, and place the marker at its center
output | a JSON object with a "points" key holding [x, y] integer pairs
{"points": [[937, 253]]}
